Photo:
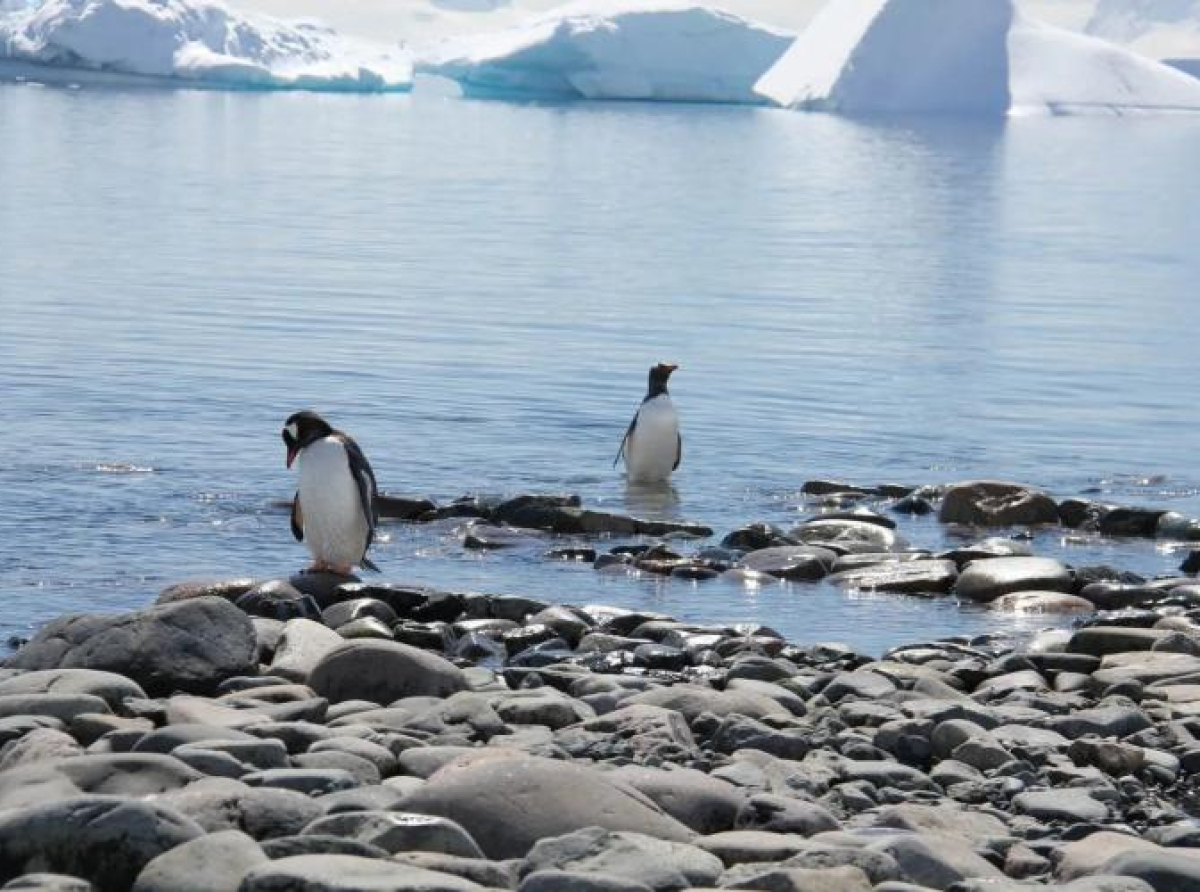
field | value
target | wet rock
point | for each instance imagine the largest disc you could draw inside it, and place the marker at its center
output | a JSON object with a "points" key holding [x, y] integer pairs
{"points": [[934, 577], [1191, 563], [213, 863], [394, 507], [322, 586], [229, 589], [278, 600], [508, 803], [487, 537], [913, 504], [580, 553], [755, 536], [1100, 641], [1175, 526], [988, 579], [635, 857], [1130, 522], [1042, 602], [104, 839], [797, 562], [382, 672], [995, 504], [349, 873], [189, 646]]}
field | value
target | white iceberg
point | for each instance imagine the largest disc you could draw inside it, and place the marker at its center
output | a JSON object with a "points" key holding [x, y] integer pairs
{"points": [[1162, 29], [979, 57], [194, 42], [647, 51]]}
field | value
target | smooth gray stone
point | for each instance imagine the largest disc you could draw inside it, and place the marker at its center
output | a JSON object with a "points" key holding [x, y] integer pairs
{"points": [[1068, 804], [1099, 641], [380, 756], [119, 774], [796, 562], [189, 589], [396, 831], [691, 700], [63, 707], [309, 781], [255, 753], [104, 839], [302, 644], [971, 825], [221, 804], [784, 814], [742, 846], [48, 882], [361, 769], [216, 862], [988, 579], [578, 881], [492, 874], [935, 860], [383, 671], [693, 798], [637, 733], [638, 858], [348, 873], [508, 802], [1165, 870], [190, 646], [1102, 721], [846, 878], [108, 686], [862, 684], [919, 577], [39, 745], [315, 844]]}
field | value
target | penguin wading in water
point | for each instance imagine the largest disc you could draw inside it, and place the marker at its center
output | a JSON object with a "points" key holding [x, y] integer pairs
{"points": [[333, 512], [652, 447]]}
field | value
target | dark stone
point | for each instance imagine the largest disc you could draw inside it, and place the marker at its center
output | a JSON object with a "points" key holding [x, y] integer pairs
{"points": [[798, 562], [229, 589], [933, 577], [580, 553], [191, 645], [913, 504], [383, 672], [403, 599], [1191, 563], [994, 504], [755, 536], [343, 612], [445, 607], [278, 599], [319, 844], [393, 507], [1131, 522]]}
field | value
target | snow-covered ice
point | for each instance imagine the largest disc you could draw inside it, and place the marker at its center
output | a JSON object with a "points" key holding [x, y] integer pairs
{"points": [[964, 57], [195, 42], [616, 50], [1161, 29]]}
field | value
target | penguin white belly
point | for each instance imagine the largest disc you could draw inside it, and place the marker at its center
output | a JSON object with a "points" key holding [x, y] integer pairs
{"points": [[653, 446], [335, 527]]}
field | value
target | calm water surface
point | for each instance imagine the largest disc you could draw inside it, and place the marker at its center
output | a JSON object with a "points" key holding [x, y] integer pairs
{"points": [[476, 289]]}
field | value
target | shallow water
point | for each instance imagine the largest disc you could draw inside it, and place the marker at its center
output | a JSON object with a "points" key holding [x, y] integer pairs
{"points": [[475, 289]]}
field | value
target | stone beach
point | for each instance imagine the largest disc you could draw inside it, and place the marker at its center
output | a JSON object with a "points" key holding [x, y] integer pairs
{"points": [[320, 733]]}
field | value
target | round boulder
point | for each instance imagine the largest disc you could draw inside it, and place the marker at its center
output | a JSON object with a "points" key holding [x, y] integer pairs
{"points": [[383, 672], [988, 503], [988, 579]]}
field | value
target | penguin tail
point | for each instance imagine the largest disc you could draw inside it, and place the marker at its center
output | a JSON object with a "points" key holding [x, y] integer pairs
{"points": [[367, 564]]}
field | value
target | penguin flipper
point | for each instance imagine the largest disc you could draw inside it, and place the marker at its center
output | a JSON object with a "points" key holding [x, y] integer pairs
{"points": [[364, 478], [678, 451], [625, 440], [297, 519]]}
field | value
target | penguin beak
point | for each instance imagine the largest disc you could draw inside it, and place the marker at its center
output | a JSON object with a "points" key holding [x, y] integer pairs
{"points": [[292, 452]]}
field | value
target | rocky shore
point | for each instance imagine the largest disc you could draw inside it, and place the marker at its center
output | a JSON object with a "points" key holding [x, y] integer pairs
{"points": [[325, 733]]}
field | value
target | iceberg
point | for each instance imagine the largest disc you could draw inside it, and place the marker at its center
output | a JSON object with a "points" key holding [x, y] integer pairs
{"points": [[980, 57], [194, 43], [640, 51], [1168, 30]]}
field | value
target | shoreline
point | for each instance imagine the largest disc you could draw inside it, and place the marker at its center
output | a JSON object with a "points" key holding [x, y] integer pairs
{"points": [[327, 733]]}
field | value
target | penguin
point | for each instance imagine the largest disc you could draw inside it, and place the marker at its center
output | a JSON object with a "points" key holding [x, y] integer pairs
{"points": [[652, 447], [333, 511]]}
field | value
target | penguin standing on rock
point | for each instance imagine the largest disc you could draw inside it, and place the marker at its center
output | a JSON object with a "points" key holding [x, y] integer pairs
{"points": [[333, 512], [652, 447]]}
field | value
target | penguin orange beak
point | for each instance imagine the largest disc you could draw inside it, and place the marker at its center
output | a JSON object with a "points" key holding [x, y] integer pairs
{"points": [[292, 452]]}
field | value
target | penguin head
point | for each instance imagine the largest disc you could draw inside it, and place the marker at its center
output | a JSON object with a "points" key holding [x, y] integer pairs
{"points": [[658, 378], [302, 429]]}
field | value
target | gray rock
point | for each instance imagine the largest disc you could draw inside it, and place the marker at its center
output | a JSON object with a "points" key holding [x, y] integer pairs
{"points": [[800, 562], [39, 745], [636, 857], [973, 826], [863, 684], [395, 831], [848, 533], [383, 672], [348, 873], [796, 879], [692, 700], [216, 862], [104, 839], [309, 781], [1102, 640], [492, 874], [119, 774], [784, 814], [996, 504], [752, 846], [577, 881], [919, 577], [1057, 603], [189, 646], [1088, 855], [988, 579], [1072, 805], [1165, 870], [507, 803], [315, 844], [1103, 721], [934, 859], [639, 733], [703, 803], [220, 804], [63, 707], [48, 882], [108, 686], [302, 644], [543, 706]]}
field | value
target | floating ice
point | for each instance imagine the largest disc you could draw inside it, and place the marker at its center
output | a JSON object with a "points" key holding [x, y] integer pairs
{"points": [[616, 50], [964, 57], [1160, 29], [198, 42]]}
